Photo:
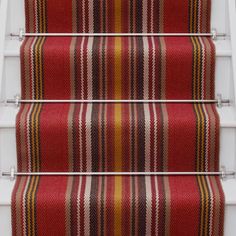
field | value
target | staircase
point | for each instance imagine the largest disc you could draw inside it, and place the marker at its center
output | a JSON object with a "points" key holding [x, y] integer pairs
{"points": [[12, 19]]}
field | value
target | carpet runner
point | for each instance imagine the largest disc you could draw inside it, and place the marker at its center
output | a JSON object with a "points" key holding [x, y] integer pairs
{"points": [[85, 137]]}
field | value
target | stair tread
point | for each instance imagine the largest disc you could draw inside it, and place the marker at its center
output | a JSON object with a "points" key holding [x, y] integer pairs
{"points": [[12, 47], [8, 115], [6, 187]]}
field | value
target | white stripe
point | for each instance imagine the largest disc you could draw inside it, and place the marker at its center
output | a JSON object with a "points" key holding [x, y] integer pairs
{"points": [[80, 137], [90, 67], [155, 136], [28, 142], [203, 52], [146, 68], [24, 217], [91, 18], [82, 68], [79, 226], [87, 205], [147, 137], [153, 68], [88, 137], [211, 215], [148, 205], [157, 204], [145, 16]]}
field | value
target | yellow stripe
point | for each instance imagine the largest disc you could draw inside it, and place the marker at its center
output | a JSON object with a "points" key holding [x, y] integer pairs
{"points": [[202, 204], [194, 68], [37, 67], [37, 136], [206, 208], [118, 108], [28, 199], [202, 144], [117, 16], [198, 135], [33, 138], [195, 16], [118, 145], [40, 78], [118, 206]]}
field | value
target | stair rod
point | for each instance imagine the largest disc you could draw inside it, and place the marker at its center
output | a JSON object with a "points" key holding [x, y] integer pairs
{"points": [[219, 101], [212, 34], [223, 174]]}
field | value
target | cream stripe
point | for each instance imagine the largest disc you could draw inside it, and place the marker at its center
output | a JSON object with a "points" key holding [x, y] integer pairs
{"points": [[147, 137], [70, 137], [28, 129], [79, 213], [81, 137], [91, 18], [157, 204], [24, 202], [155, 148], [90, 66], [88, 137], [203, 64], [72, 67], [211, 211], [207, 136], [165, 136], [82, 68], [148, 205], [167, 206], [87, 205], [153, 68], [146, 68], [145, 16]]}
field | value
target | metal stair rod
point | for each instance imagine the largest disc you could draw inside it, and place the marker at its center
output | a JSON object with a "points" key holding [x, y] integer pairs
{"points": [[219, 101], [212, 34], [13, 173]]}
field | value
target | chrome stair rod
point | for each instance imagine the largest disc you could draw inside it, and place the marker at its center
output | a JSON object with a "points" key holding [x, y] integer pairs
{"points": [[212, 34], [223, 174], [16, 101]]}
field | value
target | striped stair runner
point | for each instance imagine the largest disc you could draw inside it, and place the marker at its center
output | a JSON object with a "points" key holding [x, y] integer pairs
{"points": [[139, 137]]}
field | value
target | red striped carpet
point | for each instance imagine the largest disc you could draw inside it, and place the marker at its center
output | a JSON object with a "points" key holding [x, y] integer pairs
{"points": [[117, 137]]}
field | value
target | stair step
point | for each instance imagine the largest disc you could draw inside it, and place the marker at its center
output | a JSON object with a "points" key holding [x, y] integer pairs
{"points": [[12, 48]]}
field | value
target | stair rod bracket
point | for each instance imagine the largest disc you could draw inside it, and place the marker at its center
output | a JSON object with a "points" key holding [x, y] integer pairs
{"points": [[22, 34], [224, 174]]}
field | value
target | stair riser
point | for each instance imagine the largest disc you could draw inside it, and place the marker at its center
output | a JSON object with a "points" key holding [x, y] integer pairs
{"points": [[224, 82], [16, 17], [5, 220]]}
